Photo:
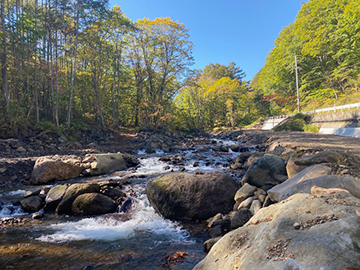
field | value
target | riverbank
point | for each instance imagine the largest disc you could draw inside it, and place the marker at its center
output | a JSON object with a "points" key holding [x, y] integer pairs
{"points": [[165, 244]]}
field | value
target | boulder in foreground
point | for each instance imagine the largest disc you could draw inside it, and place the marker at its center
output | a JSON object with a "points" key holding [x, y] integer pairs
{"points": [[303, 232], [182, 196]]}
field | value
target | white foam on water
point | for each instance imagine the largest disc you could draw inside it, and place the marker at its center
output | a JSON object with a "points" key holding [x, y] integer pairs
{"points": [[108, 228], [18, 192], [150, 166], [141, 152], [225, 142], [10, 210]]}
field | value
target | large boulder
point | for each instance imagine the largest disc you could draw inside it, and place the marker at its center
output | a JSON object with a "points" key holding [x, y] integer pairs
{"points": [[312, 172], [326, 181], [72, 192], [48, 169], [303, 232], [188, 196], [97, 164], [268, 170], [54, 197], [93, 204]]}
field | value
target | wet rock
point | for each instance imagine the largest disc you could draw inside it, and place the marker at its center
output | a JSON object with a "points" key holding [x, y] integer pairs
{"points": [[72, 192], [113, 193], [33, 203], [187, 196], [271, 234], [54, 196], [309, 173], [126, 205], [240, 217], [48, 169], [92, 204], [30, 193], [38, 215], [268, 170]]}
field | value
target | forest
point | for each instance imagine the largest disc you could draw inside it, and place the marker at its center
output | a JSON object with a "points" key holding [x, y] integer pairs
{"points": [[69, 64], [325, 38]]}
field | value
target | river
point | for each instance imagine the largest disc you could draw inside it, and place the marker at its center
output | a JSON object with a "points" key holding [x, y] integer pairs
{"points": [[140, 239]]}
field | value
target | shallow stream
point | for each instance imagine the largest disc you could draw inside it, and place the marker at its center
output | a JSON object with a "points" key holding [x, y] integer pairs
{"points": [[140, 239]]}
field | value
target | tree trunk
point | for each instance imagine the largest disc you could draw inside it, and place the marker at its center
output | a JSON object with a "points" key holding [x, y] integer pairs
{"points": [[4, 63], [35, 72], [77, 12]]}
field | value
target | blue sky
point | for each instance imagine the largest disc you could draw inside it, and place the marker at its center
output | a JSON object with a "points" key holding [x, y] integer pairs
{"points": [[222, 31]]}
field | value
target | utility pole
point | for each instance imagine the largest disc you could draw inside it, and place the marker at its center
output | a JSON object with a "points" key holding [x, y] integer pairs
{"points": [[297, 85]]}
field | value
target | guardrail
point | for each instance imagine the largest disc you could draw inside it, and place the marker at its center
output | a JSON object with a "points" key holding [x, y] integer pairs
{"points": [[335, 108], [268, 124]]}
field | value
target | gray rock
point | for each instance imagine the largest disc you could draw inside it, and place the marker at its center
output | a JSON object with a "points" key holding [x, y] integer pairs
{"points": [[113, 193], [328, 181], [247, 203], [293, 169], [20, 149], [214, 219], [255, 206], [48, 169], [72, 192], [329, 238], [215, 231], [291, 264], [38, 215], [32, 203], [208, 244], [309, 173], [104, 163], [244, 192], [246, 159], [240, 217], [30, 193], [93, 204], [54, 196], [322, 157], [268, 170], [189, 196]]}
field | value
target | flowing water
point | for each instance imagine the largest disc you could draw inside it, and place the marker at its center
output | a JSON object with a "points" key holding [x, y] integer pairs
{"points": [[141, 239]]}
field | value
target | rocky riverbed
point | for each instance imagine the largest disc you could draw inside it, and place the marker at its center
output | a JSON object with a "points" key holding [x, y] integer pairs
{"points": [[155, 200]]}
